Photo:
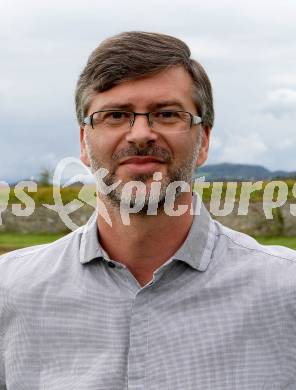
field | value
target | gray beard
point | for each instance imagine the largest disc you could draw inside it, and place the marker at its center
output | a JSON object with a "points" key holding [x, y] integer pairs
{"points": [[152, 200], [116, 197]]}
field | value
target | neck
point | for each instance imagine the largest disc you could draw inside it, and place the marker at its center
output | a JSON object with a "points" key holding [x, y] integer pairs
{"points": [[148, 241]]}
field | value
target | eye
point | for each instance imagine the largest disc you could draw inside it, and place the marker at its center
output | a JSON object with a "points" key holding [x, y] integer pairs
{"points": [[113, 118], [114, 115], [166, 116]]}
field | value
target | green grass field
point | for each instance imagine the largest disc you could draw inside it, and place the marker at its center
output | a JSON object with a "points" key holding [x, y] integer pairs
{"points": [[45, 193], [290, 242], [11, 241]]}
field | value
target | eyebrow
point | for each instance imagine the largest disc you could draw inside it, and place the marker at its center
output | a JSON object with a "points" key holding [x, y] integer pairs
{"points": [[167, 103], [115, 106], [152, 106]]}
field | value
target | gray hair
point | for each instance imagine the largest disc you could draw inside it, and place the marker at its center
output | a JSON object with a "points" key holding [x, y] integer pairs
{"points": [[131, 55]]}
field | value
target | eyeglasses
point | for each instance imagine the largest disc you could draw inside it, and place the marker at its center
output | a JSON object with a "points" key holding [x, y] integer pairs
{"points": [[163, 121]]}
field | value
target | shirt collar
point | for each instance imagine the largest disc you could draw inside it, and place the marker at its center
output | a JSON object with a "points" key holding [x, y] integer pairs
{"points": [[196, 250], [90, 247]]}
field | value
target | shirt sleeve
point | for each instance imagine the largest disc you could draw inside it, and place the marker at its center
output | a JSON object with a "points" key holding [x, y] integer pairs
{"points": [[4, 319], [2, 331]]}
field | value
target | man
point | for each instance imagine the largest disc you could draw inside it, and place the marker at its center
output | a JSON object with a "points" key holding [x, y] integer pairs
{"points": [[171, 299]]}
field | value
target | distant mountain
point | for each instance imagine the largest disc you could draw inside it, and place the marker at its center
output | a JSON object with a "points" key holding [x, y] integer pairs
{"points": [[240, 172], [221, 172]]}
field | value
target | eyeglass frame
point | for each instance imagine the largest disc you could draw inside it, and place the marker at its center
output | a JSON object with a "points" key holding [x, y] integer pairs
{"points": [[194, 119]]}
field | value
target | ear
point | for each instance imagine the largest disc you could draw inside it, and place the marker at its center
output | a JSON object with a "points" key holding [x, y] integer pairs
{"points": [[204, 148], [83, 151]]}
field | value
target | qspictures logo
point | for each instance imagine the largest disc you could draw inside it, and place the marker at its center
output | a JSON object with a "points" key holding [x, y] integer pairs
{"points": [[134, 198]]}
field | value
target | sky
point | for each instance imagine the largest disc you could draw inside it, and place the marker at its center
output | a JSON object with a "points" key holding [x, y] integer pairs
{"points": [[247, 48]]}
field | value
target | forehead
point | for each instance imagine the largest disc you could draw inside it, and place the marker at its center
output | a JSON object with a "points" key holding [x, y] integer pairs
{"points": [[174, 84]]}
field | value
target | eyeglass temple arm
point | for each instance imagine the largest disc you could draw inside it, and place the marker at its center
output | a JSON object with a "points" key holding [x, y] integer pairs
{"points": [[196, 120], [87, 120]]}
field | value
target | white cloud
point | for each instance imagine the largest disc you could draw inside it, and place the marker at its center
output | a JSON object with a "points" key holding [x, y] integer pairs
{"points": [[285, 144], [207, 48], [247, 149], [281, 103], [45, 44], [282, 80]]}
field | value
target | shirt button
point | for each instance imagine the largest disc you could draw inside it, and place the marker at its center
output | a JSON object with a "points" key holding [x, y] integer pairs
{"points": [[111, 265]]}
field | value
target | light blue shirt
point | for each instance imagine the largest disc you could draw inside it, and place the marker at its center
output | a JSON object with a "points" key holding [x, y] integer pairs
{"points": [[219, 315]]}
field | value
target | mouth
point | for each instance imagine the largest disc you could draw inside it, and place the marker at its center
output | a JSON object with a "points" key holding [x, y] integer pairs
{"points": [[141, 164], [142, 160]]}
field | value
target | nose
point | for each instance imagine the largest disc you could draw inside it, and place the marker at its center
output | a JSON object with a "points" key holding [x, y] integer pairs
{"points": [[141, 133]]}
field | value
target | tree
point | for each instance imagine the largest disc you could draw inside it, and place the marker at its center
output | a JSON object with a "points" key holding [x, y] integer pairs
{"points": [[45, 177]]}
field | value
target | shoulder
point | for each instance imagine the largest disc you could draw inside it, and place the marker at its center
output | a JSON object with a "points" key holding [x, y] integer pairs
{"points": [[263, 267], [22, 264], [241, 243], [263, 277]]}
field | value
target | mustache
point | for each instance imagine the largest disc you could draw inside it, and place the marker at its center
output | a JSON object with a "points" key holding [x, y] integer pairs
{"points": [[133, 150]]}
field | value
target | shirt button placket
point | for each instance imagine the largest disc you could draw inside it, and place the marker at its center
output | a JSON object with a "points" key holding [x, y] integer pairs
{"points": [[138, 342]]}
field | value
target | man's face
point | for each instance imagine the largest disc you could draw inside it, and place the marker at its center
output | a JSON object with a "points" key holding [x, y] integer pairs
{"points": [[137, 153]]}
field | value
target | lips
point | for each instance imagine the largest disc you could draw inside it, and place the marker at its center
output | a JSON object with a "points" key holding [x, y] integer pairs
{"points": [[142, 160], [141, 165]]}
